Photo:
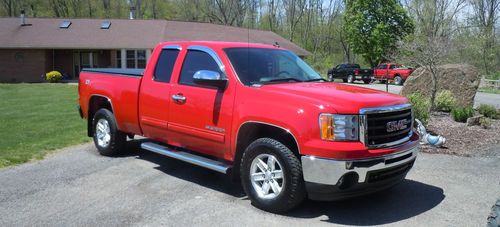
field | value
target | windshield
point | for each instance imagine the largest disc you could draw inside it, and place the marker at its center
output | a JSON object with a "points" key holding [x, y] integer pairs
{"points": [[262, 66]]}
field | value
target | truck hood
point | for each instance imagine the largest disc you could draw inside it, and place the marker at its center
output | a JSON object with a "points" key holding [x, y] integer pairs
{"points": [[339, 98]]}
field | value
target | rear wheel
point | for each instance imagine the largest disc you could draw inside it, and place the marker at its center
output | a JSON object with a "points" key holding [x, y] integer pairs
{"points": [[271, 176], [330, 77], [344, 80], [398, 80], [366, 81], [107, 138], [350, 79]]}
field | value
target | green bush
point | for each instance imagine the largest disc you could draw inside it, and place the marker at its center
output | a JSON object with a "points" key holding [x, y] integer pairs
{"points": [[485, 122], [53, 76], [461, 114], [495, 76], [445, 101], [421, 106], [488, 111]]}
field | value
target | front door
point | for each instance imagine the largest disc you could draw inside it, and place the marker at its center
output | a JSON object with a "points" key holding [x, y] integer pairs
{"points": [[200, 117], [83, 59]]}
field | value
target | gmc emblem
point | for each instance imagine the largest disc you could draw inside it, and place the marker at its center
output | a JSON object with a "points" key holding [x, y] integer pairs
{"points": [[396, 125]]}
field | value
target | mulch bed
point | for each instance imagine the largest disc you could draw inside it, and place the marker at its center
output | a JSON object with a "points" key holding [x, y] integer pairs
{"points": [[461, 139]]}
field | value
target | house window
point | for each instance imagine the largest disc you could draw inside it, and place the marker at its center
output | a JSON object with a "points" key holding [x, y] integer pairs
{"points": [[136, 59]]}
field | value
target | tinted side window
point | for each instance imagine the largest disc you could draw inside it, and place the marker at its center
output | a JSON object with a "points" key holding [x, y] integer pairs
{"points": [[165, 65], [196, 60]]}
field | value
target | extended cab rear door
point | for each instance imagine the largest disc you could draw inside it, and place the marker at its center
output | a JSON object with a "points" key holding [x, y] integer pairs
{"points": [[154, 101], [200, 116]]}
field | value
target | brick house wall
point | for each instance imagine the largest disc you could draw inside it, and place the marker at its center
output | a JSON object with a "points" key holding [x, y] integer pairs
{"points": [[17, 65]]}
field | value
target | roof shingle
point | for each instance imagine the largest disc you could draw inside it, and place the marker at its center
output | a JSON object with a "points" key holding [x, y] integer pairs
{"points": [[44, 33]]}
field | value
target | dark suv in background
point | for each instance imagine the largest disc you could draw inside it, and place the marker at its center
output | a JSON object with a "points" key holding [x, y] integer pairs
{"points": [[349, 73]]}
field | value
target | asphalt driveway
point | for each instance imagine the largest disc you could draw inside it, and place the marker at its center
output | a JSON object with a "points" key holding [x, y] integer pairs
{"points": [[481, 97], [79, 187]]}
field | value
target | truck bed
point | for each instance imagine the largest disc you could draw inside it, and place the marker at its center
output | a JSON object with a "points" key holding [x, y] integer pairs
{"points": [[120, 87], [116, 71]]}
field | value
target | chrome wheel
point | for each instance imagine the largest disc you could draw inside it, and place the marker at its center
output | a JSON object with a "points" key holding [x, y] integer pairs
{"points": [[267, 176], [398, 80], [103, 133], [350, 79]]}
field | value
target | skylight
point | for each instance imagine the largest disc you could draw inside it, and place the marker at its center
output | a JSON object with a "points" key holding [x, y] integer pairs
{"points": [[105, 24], [65, 24]]}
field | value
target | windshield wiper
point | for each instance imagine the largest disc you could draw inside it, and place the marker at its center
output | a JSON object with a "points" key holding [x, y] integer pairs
{"points": [[315, 79], [288, 79]]}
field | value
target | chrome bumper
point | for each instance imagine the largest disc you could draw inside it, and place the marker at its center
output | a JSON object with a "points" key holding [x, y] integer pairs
{"points": [[330, 171]]}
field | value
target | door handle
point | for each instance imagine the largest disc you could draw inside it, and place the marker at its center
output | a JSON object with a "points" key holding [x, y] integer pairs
{"points": [[179, 98]]}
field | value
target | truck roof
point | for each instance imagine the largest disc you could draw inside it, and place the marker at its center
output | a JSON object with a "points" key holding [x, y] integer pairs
{"points": [[220, 44]]}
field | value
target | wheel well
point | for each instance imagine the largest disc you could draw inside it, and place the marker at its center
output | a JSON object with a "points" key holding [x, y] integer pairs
{"points": [[251, 131], [96, 103]]}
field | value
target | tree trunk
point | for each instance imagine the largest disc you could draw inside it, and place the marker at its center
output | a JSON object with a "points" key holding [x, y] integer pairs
{"points": [[434, 72]]}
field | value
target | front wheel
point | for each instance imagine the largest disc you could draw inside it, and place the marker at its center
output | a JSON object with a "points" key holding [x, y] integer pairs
{"points": [[107, 138], [398, 80], [271, 176], [350, 79]]}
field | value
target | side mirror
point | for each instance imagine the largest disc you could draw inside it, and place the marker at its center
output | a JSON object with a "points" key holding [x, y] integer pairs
{"points": [[210, 78]]}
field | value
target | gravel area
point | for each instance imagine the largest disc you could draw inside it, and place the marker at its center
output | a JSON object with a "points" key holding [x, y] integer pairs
{"points": [[463, 140]]}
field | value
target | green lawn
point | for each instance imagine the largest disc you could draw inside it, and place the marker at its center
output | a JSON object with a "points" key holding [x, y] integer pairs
{"points": [[489, 90], [36, 119]]}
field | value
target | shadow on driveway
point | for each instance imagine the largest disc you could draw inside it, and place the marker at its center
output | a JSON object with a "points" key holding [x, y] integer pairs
{"points": [[406, 200]]}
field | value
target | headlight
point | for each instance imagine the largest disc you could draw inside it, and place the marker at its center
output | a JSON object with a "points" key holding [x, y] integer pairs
{"points": [[336, 127]]}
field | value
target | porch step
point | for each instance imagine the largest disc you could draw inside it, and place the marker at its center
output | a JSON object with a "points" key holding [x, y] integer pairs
{"points": [[187, 157]]}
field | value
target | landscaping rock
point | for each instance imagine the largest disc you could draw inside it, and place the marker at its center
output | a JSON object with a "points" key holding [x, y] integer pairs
{"points": [[475, 120], [461, 79]]}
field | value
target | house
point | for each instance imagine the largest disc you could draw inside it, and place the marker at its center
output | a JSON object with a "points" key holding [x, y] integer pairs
{"points": [[30, 48]]}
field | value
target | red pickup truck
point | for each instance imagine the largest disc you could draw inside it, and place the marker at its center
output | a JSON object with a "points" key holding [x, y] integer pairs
{"points": [[258, 113], [392, 72]]}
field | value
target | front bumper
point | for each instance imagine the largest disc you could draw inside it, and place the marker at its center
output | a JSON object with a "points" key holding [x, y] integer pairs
{"points": [[330, 179]]}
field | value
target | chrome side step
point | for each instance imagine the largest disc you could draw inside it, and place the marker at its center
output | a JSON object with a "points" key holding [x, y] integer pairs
{"points": [[187, 157]]}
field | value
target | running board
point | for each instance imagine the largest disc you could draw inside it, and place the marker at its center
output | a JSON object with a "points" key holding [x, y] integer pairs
{"points": [[187, 157]]}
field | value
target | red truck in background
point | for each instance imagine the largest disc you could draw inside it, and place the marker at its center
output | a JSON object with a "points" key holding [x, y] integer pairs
{"points": [[258, 113], [392, 72]]}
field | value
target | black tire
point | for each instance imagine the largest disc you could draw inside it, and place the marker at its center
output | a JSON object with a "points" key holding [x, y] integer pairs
{"points": [[330, 78], [293, 191], [117, 139], [350, 79], [398, 80], [344, 80], [494, 217], [367, 81]]}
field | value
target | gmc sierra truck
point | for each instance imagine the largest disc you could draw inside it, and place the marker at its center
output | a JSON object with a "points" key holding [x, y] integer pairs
{"points": [[350, 73], [391, 72], [257, 113]]}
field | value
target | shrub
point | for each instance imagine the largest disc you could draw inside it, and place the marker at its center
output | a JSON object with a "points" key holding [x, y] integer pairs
{"points": [[421, 106], [487, 110], [53, 76], [445, 101], [461, 114], [485, 122]]}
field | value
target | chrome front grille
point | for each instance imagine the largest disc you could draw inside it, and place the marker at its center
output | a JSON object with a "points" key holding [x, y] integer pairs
{"points": [[386, 126]]}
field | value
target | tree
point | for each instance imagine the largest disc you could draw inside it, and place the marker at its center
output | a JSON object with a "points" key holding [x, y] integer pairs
{"points": [[485, 16], [374, 27], [429, 53]]}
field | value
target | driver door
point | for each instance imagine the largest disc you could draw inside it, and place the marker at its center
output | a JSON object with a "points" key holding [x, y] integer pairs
{"points": [[200, 116]]}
